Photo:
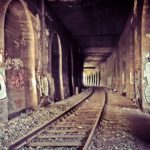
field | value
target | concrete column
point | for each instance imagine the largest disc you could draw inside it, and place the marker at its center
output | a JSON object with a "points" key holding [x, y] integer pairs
{"points": [[92, 79], [99, 78], [127, 70], [88, 80], [131, 54], [145, 52], [84, 79], [95, 77], [90, 84]]}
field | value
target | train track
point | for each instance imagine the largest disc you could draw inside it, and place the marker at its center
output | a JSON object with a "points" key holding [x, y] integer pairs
{"points": [[73, 129]]}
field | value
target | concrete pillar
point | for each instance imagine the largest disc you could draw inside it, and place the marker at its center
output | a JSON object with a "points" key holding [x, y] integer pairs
{"points": [[84, 79], [145, 52], [96, 78], [127, 70], [131, 54], [92, 79], [88, 80], [90, 83]]}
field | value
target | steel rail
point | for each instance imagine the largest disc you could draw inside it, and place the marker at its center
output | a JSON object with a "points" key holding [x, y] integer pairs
{"points": [[25, 139], [89, 140]]}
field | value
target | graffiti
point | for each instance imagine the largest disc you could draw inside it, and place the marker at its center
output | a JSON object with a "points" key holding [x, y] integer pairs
{"points": [[38, 25], [2, 87], [1, 56], [147, 78], [43, 85], [13, 63], [16, 79], [43, 89]]}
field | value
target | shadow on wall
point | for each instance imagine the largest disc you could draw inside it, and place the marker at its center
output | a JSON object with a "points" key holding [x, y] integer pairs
{"points": [[140, 126]]}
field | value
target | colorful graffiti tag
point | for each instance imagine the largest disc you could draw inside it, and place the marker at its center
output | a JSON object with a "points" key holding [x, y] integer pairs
{"points": [[15, 73], [3, 93], [147, 78], [16, 79]]}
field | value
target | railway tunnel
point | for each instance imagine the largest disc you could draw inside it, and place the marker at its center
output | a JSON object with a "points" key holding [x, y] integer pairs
{"points": [[51, 50]]}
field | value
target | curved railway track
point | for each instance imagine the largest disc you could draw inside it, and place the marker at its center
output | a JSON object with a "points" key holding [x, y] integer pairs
{"points": [[73, 129]]}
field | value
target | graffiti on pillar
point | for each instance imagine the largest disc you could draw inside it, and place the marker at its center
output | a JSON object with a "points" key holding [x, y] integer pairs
{"points": [[17, 79], [13, 63], [38, 26], [42, 85], [147, 78], [1, 56], [3, 93], [15, 73]]}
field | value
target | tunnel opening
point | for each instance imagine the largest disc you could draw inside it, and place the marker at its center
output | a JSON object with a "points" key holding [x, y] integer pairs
{"points": [[19, 58]]}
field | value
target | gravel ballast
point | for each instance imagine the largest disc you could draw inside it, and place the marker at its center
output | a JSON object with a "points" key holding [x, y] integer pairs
{"points": [[19, 126], [122, 126]]}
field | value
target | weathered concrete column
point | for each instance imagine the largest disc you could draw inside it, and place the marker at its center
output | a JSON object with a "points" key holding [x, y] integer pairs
{"points": [[92, 79], [3, 97], [88, 80], [98, 78], [95, 78], [84, 79], [131, 54], [145, 52], [127, 70]]}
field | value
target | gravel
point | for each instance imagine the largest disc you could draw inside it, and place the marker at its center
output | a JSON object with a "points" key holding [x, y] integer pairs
{"points": [[120, 126], [19, 126]]}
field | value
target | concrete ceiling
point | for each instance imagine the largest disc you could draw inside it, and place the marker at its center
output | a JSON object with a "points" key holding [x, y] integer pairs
{"points": [[96, 25]]}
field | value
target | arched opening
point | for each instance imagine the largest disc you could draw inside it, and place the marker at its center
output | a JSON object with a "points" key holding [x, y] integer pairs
{"points": [[19, 58], [56, 60]]}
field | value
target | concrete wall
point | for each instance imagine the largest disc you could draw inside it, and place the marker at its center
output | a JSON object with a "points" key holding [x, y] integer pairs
{"points": [[122, 70], [26, 35]]}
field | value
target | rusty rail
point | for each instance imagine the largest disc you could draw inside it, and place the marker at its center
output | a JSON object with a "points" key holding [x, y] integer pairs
{"points": [[22, 141], [89, 140], [72, 127]]}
